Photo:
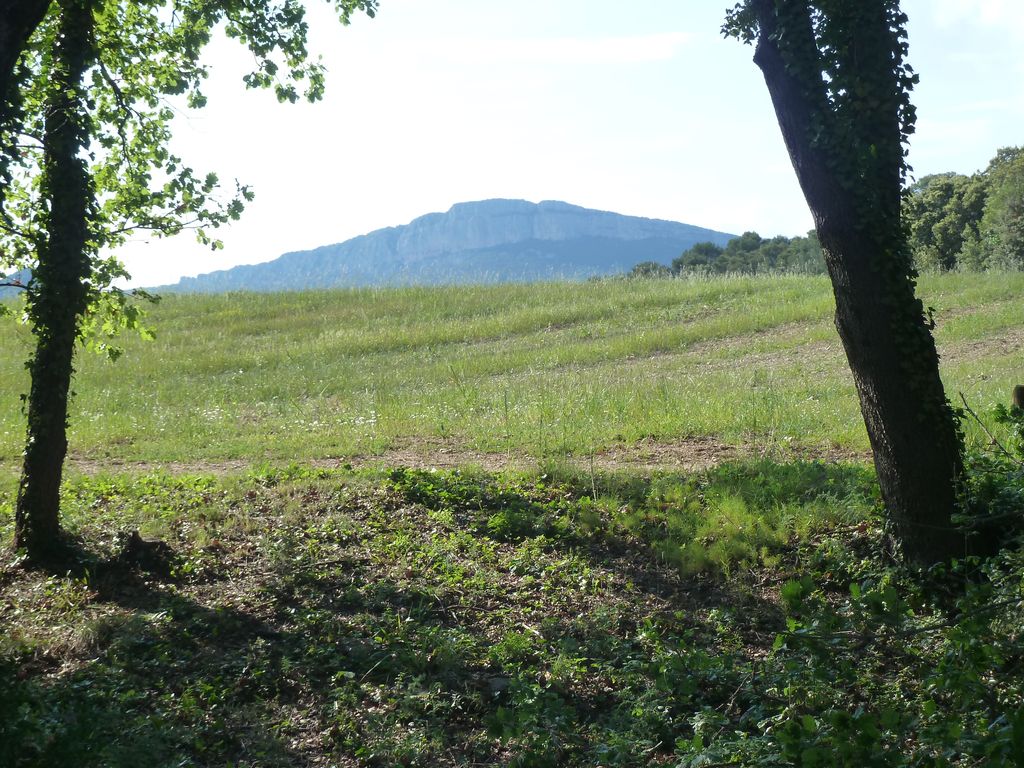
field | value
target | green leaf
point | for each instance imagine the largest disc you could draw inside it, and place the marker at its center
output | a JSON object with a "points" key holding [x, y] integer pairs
{"points": [[792, 592]]}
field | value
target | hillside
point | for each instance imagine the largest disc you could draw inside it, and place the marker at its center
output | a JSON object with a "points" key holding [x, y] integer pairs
{"points": [[664, 371], [487, 241]]}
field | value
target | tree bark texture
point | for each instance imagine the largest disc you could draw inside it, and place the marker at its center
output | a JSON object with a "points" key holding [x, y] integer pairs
{"points": [[59, 296], [912, 428]]}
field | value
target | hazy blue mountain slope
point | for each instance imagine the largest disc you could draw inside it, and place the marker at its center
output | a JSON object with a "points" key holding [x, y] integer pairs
{"points": [[23, 276], [487, 241]]}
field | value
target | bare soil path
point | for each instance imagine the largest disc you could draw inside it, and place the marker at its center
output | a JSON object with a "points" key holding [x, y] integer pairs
{"points": [[646, 456]]}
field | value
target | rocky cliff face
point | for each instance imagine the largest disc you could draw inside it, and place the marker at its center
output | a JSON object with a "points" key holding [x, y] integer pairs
{"points": [[499, 222], [486, 241]]}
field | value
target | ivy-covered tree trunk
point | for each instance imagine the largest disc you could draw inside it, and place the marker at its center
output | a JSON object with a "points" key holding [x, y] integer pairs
{"points": [[59, 293], [839, 89]]}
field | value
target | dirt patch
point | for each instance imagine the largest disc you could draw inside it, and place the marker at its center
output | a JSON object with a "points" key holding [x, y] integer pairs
{"points": [[645, 456], [439, 453], [697, 453], [690, 454], [1008, 343], [87, 466]]}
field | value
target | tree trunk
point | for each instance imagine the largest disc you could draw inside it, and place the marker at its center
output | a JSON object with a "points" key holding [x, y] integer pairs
{"points": [[59, 294], [914, 438], [913, 430]]}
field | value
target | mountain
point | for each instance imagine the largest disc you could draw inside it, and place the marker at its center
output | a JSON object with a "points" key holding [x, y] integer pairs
{"points": [[486, 241], [19, 278]]}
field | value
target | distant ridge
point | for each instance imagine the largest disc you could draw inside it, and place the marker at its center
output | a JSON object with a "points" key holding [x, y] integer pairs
{"points": [[13, 281], [485, 241]]}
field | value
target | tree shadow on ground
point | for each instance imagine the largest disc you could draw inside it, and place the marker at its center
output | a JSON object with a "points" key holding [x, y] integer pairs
{"points": [[144, 681], [653, 517], [427, 625], [172, 678]]}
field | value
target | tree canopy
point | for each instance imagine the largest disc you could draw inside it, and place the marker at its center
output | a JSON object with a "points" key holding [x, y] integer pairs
{"points": [[86, 124], [747, 254], [953, 221], [140, 56], [970, 222]]}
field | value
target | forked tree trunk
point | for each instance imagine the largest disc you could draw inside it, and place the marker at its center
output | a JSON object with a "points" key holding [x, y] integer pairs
{"points": [[58, 296], [913, 431]]}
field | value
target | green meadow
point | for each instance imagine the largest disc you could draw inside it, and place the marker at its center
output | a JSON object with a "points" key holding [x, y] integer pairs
{"points": [[533, 371], [550, 606]]}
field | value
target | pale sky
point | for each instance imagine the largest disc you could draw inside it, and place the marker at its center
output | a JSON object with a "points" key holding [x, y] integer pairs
{"points": [[641, 108]]}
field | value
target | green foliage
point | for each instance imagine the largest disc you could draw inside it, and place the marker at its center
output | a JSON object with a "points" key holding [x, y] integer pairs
{"points": [[751, 254], [994, 492], [86, 163], [954, 222], [740, 516], [944, 213], [326, 616], [733, 516], [747, 254], [880, 665], [142, 54], [700, 255], [476, 502], [650, 269], [379, 619], [1002, 226], [872, 671], [855, 93], [970, 222]]}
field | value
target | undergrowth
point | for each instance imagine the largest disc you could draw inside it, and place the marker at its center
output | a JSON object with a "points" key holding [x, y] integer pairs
{"points": [[739, 616]]}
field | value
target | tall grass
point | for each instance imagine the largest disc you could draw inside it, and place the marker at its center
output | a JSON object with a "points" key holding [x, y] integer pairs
{"points": [[541, 369]]}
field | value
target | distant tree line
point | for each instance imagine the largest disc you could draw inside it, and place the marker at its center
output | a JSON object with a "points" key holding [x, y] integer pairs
{"points": [[970, 222], [749, 253], [955, 222]]}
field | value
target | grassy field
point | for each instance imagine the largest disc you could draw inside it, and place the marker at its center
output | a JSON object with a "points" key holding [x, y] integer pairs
{"points": [[535, 371], [575, 613]]}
